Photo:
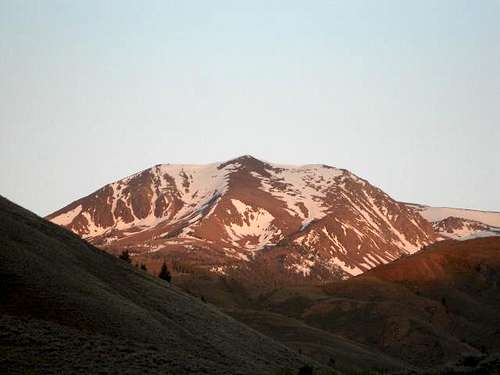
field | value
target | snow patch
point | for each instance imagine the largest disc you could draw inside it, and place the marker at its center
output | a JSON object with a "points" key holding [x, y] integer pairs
{"points": [[351, 270], [67, 217], [300, 186], [304, 268], [256, 229]]}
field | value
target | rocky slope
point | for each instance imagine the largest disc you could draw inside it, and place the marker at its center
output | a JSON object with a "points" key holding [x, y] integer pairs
{"points": [[67, 307], [312, 221]]}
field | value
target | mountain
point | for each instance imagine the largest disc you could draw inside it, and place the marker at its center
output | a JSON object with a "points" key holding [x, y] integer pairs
{"points": [[463, 229], [68, 307], [427, 310], [460, 223], [246, 216]]}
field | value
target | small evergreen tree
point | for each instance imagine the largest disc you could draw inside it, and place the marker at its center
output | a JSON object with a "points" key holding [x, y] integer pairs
{"points": [[331, 362], [445, 304], [125, 256], [164, 273], [306, 370]]}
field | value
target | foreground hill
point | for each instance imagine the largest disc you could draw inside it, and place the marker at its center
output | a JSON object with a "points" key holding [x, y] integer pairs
{"points": [[246, 216], [67, 307], [422, 311]]}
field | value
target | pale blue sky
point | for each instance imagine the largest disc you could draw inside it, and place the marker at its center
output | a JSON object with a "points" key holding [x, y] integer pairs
{"points": [[404, 93]]}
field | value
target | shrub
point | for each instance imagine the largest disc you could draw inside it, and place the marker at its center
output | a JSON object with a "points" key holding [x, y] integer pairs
{"points": [[331, 362], [306, 370], [164, 273], [470, 360], [125, 256]]}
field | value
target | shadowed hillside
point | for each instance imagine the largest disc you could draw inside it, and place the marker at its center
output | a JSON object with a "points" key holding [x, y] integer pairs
{"points": [[67, 307], [422, 311]]}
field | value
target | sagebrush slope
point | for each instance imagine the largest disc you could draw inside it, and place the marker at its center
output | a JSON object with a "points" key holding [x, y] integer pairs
{"points": [[56, 286]]}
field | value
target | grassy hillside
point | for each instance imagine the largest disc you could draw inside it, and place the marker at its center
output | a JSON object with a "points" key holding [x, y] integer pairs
{"points": [[67, 307]]}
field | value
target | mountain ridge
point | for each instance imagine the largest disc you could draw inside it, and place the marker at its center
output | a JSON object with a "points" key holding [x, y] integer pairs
{"points": [[322, 220]]}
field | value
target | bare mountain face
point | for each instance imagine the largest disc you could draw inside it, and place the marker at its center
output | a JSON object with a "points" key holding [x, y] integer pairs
{"points": [[312, 221]]}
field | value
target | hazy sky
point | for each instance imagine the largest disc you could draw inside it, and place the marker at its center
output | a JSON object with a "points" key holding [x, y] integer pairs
{"points": [[403, 93]]}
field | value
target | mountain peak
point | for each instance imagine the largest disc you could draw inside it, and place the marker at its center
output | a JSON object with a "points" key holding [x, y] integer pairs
{"points": [[245, 160], [246, 157]]}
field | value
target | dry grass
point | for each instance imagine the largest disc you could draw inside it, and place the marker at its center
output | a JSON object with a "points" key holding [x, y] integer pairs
{"points": [[67, 307]]}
